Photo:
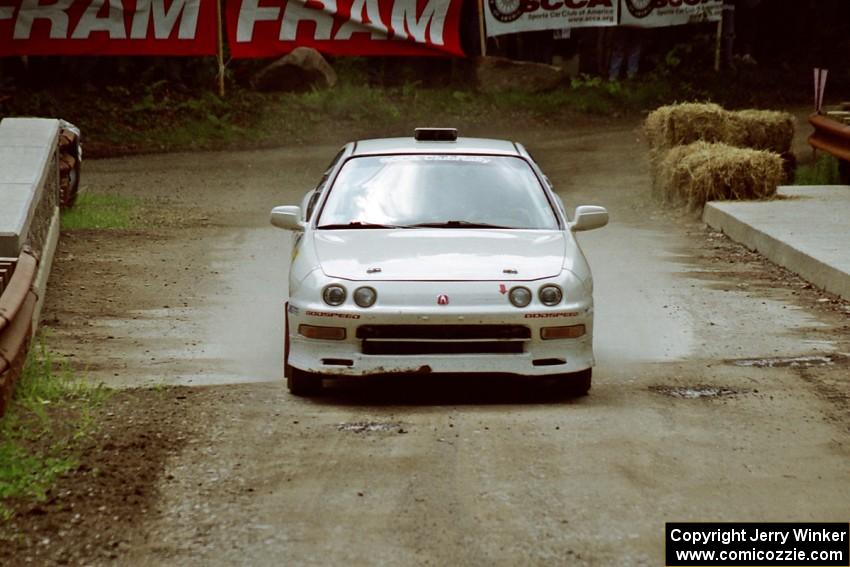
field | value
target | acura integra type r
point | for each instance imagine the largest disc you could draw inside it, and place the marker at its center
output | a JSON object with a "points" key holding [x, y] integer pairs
{"points": [[436, 254]]}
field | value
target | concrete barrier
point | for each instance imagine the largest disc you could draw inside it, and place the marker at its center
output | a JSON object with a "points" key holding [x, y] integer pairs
{"points": [[806, 232], [29, 233]]}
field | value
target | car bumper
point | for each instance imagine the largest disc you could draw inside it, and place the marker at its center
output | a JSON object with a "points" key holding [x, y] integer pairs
{"points": [[356, 355]]}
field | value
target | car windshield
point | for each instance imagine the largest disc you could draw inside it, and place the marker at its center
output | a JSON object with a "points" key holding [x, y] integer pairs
{"points": [[437, 190]]}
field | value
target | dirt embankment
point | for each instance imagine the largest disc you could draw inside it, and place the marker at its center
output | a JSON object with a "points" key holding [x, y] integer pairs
{"points": [[94, 511]]}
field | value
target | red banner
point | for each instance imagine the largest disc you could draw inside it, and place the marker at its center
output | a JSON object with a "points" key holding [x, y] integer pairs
{"points": [[107, 27], [265, 28]]}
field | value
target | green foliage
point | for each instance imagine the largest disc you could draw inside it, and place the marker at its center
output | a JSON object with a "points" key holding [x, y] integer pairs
{"points": [[411, 103], [95, 211], [596, 95], [352, 102], [23, 475], [50, 414], [159, 111], [162, 114], [45, 380], [823, 172], [159, 99]]}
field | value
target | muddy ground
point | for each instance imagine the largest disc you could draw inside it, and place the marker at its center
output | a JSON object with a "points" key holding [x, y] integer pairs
{"points": [[702, 407]]}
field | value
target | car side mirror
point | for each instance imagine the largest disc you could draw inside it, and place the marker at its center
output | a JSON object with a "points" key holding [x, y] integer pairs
{"points": [[287, 217], [588, 217]]}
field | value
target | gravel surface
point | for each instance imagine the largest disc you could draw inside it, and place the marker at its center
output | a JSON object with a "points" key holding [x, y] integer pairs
{"points": [[431, 471]]}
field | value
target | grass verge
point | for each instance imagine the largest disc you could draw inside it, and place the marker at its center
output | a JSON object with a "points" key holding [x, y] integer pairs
{"points": [[96, 211], [823, 172], [162, 117], [48, 417]]}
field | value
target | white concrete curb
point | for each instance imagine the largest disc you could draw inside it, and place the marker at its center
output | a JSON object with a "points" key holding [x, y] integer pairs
{"points": [[29, 195], [27, 169], [791, 235]]}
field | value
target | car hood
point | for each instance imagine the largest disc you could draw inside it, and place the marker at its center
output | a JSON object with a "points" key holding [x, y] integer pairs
{"points": [[440, 254]]}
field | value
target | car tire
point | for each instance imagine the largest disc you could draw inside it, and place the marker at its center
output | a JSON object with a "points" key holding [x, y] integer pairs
{"points": [[69, 187], [75, 184], [287, 369], [301, 383], [577, 384]]}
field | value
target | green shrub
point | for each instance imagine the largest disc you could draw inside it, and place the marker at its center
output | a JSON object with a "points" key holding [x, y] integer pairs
{"points": [[823, 172]]}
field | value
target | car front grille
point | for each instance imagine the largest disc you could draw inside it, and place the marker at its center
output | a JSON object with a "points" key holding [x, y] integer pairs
{"points": [[442, 339]]}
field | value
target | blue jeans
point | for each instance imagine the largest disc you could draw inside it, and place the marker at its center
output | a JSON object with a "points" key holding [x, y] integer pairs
{"points": [[627, 45]]}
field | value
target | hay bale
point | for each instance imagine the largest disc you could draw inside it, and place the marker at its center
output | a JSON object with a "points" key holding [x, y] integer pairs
{"points": [[656, 157], [671, 181], [700, 172], [789, 167], [769, 130], [680, 124]]}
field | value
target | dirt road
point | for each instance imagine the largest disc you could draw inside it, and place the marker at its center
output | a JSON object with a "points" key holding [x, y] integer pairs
{"points": [[685, 422]]}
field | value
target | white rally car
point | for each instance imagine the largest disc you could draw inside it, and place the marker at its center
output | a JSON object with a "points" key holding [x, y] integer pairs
{"points": [[436, 254]]}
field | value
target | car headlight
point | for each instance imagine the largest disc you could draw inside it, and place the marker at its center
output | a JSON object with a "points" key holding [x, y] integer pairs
{"points": [[550, 295], [365, 296], [520, 296], [334, 294]]}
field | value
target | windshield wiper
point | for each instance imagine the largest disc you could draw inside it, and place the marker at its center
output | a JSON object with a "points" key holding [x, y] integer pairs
{"points": [[358, 224], [455, 224]]}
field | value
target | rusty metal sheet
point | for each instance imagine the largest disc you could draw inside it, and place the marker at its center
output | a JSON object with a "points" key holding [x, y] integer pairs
{"points": [[13, 345], [16, 291], [830, 136]]}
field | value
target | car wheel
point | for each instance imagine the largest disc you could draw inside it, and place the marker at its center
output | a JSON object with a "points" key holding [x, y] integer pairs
{"points": [[576, 383], [301, 383], [287, 369], [75, 184]]}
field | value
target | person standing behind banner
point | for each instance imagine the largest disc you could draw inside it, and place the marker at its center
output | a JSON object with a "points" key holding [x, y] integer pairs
{"points": [[626, 46], [739, 31], [746, 24]]}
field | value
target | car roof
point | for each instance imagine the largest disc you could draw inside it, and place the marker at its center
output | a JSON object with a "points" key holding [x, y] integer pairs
{"points": [[380, 146]]}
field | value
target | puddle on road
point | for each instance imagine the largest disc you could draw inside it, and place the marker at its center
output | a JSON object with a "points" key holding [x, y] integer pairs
{"points": [[696, 392], [371, 427], [791, 361]]}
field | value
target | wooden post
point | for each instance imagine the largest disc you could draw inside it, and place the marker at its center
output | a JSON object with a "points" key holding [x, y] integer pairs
{"points": [[481, 31], [718, 47], [220, 55]]}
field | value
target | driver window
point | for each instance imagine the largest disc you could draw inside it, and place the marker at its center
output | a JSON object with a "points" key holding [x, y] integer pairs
{"points": [[317, 192]]}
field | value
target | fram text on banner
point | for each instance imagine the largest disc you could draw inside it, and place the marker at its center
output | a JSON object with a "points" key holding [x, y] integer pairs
{"points": [[265, 28], [107, 27]]}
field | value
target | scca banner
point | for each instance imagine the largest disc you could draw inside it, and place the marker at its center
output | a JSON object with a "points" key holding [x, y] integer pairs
{"points": [[504, 17], [265, 28], [662, 13], [107, 27]]}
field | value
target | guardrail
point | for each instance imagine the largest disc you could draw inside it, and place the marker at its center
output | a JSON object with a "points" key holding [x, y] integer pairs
{"points": [[29, 233], [17, 307], [832, 137]]}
